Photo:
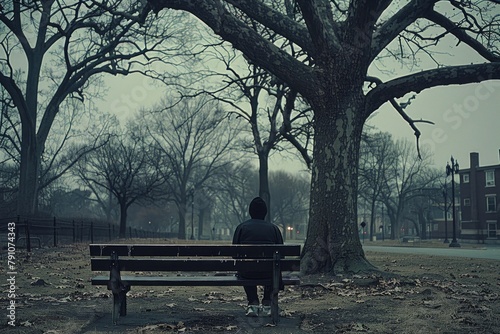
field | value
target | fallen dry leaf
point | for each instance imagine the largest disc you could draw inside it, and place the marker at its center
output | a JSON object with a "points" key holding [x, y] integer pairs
{"points": [[39, 282]]}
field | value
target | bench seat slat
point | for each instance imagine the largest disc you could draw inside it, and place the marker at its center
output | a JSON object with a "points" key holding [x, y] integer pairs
{"points": [[127, 264], [192, 281], [251, 251]]}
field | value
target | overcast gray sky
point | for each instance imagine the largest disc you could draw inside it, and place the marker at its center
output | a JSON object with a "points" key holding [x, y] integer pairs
{"points": [[467, 119]]}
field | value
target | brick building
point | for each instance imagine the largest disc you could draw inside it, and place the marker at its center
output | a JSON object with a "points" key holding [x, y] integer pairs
{"points": [[479, 202]]}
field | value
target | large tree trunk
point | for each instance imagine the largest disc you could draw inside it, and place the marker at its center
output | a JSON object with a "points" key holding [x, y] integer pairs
{"points": [[28, 179], [394, 227], [201, 221], [182, 220], [123, 219], [333, 244], [264, 191], [372, 219], [30, 150]]}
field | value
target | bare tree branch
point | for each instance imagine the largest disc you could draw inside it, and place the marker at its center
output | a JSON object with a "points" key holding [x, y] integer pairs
{"points": [[451, 75]]}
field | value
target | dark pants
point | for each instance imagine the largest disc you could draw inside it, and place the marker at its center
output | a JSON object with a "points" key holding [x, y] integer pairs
{"points": [[253, 298], [251, 291]]}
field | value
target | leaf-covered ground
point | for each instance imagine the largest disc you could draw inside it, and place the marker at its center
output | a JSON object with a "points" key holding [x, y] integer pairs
{"points": [[426, 294]]}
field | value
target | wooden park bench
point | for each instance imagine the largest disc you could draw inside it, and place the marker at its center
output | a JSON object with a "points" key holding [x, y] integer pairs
{"points": [[209, 265]]}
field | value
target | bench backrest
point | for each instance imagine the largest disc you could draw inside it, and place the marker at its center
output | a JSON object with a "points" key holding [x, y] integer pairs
{"points": [[159, 257]]}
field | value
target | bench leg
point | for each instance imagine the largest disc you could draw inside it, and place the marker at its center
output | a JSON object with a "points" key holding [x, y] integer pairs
{"points": [[119, 305], [274, 307], [123, 303], [276, 288], [116, 308]]}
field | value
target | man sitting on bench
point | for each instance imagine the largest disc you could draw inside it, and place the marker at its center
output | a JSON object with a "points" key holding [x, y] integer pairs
{"points": [[257, 231]]}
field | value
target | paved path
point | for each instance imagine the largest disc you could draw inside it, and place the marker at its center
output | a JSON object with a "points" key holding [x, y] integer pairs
{"points": [[492, 253]]}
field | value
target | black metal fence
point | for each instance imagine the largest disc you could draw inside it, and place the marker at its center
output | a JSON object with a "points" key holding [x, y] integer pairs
{"points": [[44, 232]]}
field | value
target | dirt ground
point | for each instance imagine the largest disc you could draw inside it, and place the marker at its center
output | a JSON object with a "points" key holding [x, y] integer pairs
{"points": [[428, 294]]}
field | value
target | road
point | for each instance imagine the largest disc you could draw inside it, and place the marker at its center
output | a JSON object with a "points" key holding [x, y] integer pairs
{"points": [[492, 253]]}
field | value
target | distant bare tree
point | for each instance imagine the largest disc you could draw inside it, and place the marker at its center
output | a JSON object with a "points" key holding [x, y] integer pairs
{"points": [[194, 138], [277, 118], [126, 168], [272, 123], [290, 200], [377, 155], [404, 180], [74, 134], [9, 160], [420, 207], [235, 187], [67, 202], [52, 51], [9, 136]]}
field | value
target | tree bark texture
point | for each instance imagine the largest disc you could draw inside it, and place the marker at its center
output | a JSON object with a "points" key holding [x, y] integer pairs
{"points": [[264, 191], [182, 220], [29, 175], [123, 218], [332, 243]]}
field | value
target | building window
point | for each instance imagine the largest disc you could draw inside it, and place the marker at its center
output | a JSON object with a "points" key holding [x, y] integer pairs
{"points": [[465, 178], [491, 203], [449, 215], [466, 201], [492, 230], [490, 178]]}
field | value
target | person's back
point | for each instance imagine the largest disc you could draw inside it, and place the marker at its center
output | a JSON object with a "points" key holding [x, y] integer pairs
{"points": [[257, 231]]}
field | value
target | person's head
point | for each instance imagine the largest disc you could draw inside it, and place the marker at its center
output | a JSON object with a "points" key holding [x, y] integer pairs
{"points": [[257, 208]]}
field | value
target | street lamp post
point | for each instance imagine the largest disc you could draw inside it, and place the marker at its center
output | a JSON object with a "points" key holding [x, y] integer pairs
{"points": [[453, 169], [446, 241]]}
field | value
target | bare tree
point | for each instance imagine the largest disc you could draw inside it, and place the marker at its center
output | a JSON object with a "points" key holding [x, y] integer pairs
{"points": [[406, 176], [421, 206], [343, 39], [56, 50], [9, 136], [74, 134], [9, 163], [290, 200], [234, 188], [271, 123], [275, 115], [377, 155], [194, 138], [67, 202], [126, 168]]}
